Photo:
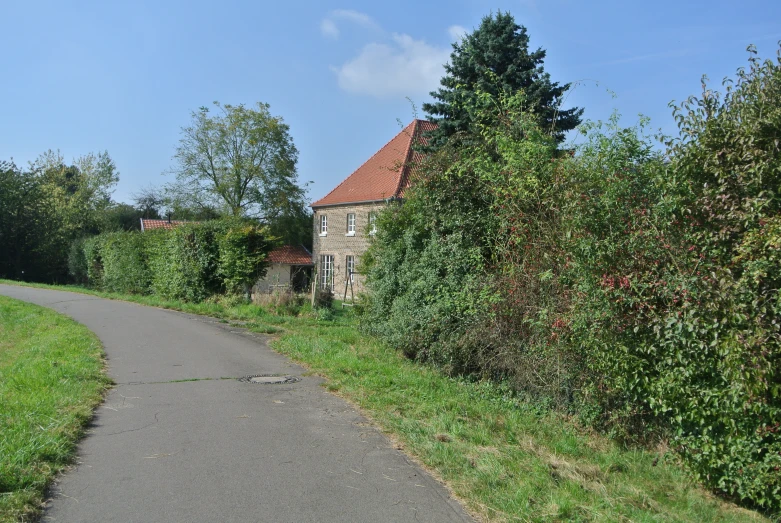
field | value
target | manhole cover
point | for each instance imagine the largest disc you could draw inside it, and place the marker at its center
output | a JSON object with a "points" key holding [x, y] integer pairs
{"points": [[266, 379]]}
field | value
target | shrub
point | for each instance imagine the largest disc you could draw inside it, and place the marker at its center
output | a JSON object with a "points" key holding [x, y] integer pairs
{"points": [[324, 298], [242, 260], [94, 261], [636, 287], [281, 302], [124, 259], [183, 262], [77, 262], [189, 263]]}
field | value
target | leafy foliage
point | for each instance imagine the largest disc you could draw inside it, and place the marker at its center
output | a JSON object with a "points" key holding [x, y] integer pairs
{"points": [[25, 212], [242, 161], [636, 288], [188, 263], [243, 251], [44, 208]]}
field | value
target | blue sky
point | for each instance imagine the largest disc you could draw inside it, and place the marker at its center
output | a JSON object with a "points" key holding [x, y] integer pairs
{"points": [[125, 76]]}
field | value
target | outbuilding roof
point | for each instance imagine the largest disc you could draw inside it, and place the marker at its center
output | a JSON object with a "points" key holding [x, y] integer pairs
{"points": [[291, 255], [384, 175], [160, 224]]}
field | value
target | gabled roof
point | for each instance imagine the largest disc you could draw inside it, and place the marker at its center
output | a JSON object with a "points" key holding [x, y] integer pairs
{"points": [[384, 175], [291, 254], [160, 224]]}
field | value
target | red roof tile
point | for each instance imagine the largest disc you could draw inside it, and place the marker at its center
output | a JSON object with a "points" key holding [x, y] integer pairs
{"points": [[384, 175], [160, 224], [291, 255]]}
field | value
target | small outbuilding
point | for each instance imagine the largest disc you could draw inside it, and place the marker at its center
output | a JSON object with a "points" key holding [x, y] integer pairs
{"points": [[290, 268], [147, 224]]}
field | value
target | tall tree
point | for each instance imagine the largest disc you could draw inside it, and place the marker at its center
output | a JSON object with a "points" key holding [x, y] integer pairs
{"points": [[149, 202], [239, 160], [495, 59], [26, 224], [82, 190], [44, 208]]}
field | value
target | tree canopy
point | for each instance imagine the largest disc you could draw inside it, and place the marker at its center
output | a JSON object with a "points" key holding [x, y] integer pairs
{"points": [[494, 59], [239, 161], [45, 207]]}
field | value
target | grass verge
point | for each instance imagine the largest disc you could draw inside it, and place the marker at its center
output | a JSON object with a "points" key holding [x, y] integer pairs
{"points": [[51, 379], [504, 458]]}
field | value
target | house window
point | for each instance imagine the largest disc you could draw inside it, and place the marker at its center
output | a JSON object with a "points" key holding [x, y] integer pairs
{"points": [[326, 271], [323, 225], [372, 222], [351, 224], [350, 264]]}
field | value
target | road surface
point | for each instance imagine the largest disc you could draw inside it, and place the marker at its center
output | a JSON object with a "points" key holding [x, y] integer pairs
{"points": [[181, 439]]}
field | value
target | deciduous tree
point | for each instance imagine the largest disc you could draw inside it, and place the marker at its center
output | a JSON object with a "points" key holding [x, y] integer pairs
{"points": [[241, 160]]}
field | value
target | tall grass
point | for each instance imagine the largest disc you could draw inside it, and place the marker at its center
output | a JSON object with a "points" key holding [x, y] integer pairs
{"points": [[506, 459], [51, 378]]}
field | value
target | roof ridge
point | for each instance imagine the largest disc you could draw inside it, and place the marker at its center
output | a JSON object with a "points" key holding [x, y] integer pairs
{"points": [[408, 158], [381, 149]]}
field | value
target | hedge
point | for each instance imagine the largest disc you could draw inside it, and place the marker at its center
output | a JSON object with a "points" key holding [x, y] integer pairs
{"points": [[189, 263], [637, 288]]}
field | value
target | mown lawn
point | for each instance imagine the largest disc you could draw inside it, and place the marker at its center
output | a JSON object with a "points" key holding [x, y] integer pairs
{"points": [[51, 379], [504, 458]]}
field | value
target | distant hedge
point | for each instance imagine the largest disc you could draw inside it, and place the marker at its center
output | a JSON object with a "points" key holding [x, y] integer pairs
{"points": [[189, 263]]}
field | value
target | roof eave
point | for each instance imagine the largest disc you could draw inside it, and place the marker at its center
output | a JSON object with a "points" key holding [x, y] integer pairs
{"points": [[362, 202]]}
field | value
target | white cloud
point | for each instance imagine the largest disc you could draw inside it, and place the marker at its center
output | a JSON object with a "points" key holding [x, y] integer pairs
{"points": [[406, 67], [456, 32], [354, 17], [329, 28]]}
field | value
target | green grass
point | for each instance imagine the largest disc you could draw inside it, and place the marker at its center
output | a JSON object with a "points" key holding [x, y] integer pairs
{"points": [[51, 379], [505, 459]]}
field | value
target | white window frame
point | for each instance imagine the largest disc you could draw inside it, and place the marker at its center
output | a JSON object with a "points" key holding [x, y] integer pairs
{"points": [[372, 223], [326, 271], [323, 225], [350, 224], [349, 263]]}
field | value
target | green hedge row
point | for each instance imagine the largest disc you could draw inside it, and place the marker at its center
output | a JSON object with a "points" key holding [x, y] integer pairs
{"points": [[189, 263], [636, 288]]}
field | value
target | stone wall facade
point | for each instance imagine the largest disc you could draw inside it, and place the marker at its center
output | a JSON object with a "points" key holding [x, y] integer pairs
{"points": [[339, 243], [277, 277]]}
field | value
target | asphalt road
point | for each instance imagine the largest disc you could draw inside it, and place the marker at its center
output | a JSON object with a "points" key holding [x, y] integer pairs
{"points": [[218, 449]]}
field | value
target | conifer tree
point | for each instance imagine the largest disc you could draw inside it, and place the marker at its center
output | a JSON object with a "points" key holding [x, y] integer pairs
{"points": [[492, 59]]}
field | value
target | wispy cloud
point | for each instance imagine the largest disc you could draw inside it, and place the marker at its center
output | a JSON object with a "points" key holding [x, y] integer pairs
{"points": [[403, 67], [456, 32], [330, 29], [644, 57]]}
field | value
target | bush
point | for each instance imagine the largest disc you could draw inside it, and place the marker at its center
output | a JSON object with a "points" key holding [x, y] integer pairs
{"points": [[77, 262], [324, 298], [189, 263], [124, 259], [635, 287], [242, 260], [281, 302], [183, 262], [93, 260]]}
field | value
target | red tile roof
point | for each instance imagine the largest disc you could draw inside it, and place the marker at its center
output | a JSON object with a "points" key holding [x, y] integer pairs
{"points": [[160, 224], [291, 255], [384, 175]]}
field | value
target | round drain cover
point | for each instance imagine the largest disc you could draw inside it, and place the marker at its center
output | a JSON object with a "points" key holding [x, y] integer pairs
{"points": [[266, 379]]}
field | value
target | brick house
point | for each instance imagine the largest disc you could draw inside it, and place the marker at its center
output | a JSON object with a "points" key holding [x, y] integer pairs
{"points": [[344, 218]]}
